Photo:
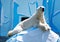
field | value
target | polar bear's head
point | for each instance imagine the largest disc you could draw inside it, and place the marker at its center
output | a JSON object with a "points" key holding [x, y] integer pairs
{"points": [[40, 9], [40, 13]]}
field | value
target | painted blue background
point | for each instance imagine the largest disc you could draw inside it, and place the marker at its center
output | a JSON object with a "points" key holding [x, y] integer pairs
{"points": [[11, 12]]}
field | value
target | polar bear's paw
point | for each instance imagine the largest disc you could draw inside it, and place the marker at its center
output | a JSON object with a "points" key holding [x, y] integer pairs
{"points": [[44, 27], [10, 33]]}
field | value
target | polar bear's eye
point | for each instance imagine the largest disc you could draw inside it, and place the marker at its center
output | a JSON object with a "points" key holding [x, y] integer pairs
{"points": [[23, 18]]}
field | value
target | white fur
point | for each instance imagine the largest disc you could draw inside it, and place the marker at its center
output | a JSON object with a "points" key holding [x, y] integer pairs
{"points": [[32, 21]]}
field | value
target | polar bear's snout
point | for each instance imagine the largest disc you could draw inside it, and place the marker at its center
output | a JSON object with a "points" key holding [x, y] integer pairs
{"points": [[42, 8]]}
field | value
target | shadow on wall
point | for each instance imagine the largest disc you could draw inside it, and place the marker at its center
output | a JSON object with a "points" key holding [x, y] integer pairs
{"points": [[3, 38]]}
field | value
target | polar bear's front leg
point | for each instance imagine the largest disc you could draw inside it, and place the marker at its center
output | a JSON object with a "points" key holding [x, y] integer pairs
{"points": [[44, 27], [42, 22]]}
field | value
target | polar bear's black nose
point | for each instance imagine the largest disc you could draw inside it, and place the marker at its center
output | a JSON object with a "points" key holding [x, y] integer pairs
{"points": [[43, 9]]}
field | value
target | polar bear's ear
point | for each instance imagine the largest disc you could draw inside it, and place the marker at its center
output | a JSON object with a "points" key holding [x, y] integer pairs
{"points": [[40, 8]]}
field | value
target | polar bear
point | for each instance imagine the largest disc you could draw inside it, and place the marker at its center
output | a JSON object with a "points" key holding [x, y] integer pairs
{"points": [[37, 19]]}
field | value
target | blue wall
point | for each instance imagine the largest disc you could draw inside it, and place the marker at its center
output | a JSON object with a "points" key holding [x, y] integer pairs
{"points": [[13, 11], [52, 12], [6, 17]]}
